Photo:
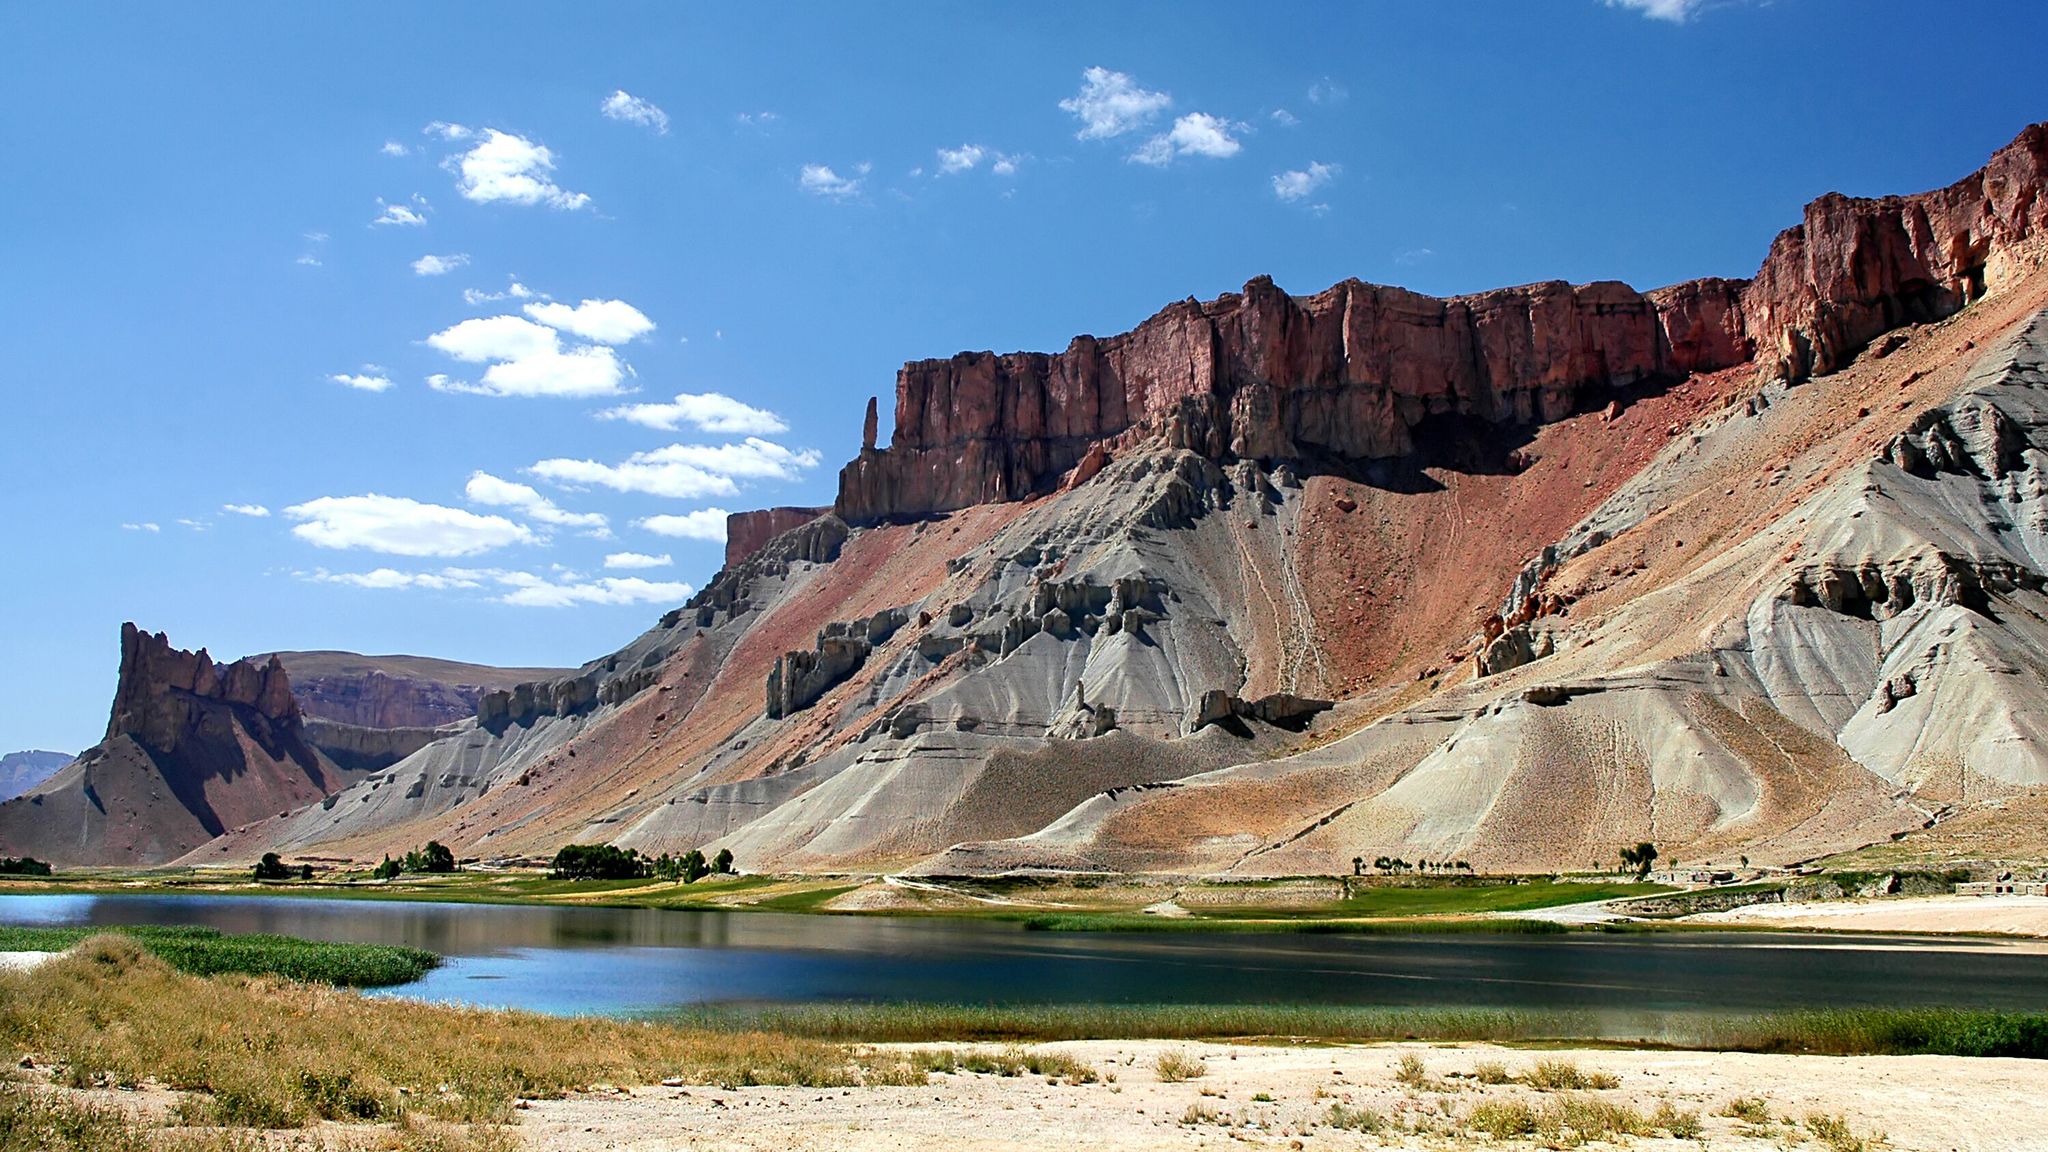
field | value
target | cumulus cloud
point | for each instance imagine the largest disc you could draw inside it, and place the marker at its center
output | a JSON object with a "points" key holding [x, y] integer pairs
{"points": [[526, 359], [684, 471], [633, 110], [1295, 184], [638, 560], [446, 131], [431, 265], [504, 168], [394, 148], [703, 524], [484, 488], [366, 381], [1675, 11], [961, 159], [403, 215], [393, 578], [709, 411], [1110, 104], [246, 509], [605, 321], [532, 591], [401, 527], [142, 526], [1195, 134], [821, 180]]}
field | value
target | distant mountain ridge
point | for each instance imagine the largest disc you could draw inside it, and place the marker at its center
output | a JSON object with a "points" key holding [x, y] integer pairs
{"points": [[395, 691], [21, 771]]}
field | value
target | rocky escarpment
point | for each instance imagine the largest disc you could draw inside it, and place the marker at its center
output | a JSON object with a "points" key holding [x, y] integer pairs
{"points": [[395, 691], [1354, 371], [746, 532], [192, 749]]}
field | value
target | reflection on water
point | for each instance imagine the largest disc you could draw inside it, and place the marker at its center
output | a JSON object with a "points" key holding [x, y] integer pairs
{"points": [[614, 960]]}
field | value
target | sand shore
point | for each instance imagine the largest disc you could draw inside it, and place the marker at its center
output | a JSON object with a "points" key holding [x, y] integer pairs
{"points": [[1268, 1096], [2017, 915]]}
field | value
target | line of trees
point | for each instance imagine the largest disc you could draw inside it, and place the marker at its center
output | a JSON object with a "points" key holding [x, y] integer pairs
{"points": [[272, 867], [23, 866], [1391, 865], [606, 862], [435, 858]]}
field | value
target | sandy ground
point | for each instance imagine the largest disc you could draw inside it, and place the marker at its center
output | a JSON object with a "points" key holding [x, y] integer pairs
{"points": [[23, 961], [1281, 1096], [2018, 915]]}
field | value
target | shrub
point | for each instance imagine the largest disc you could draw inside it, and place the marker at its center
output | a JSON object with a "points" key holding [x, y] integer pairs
{"points": [[23, 866], [1411, 1072], [1834, 1132], [1752, 1110], [1176, 1065], [1683, 1125], [1490, 1072], [1503, 1119], [1565, 1076], [1354, 1119]]}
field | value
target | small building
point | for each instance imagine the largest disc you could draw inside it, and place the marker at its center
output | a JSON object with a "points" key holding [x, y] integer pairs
{"points": [[2003, 888]]}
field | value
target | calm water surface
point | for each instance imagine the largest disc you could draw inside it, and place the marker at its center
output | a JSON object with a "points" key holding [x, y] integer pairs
{"points": [[616, 960]]}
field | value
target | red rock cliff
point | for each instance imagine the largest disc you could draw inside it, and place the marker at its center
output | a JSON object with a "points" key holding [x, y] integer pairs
{"points": [[161, 688], [1351, 371], [746, 532]]}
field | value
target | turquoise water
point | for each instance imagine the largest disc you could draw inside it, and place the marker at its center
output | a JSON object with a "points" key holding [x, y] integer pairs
{"points": [[615, 960]]}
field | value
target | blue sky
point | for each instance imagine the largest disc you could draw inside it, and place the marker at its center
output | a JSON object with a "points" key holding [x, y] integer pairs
{"points": [[424, 283]]}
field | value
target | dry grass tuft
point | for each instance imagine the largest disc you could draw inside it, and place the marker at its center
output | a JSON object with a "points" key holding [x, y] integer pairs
{"points": [[1565, 1076], [1177, 1065], [1834, 1132], [1490, 1072]]}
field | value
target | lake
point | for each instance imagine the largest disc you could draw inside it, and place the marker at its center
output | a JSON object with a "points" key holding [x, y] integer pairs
{"points": [[626, 961]]}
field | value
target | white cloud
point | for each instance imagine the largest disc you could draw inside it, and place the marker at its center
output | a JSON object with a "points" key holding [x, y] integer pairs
{"points": [[512, 169], [311, 256], [526, 359], [703, 524], [1284, 118], [443, 580], [638, 560], [1676, 11], [709, 411], [605, 321], [308, 259], [403, 215], [483, 338], [484, 488], [143, 526], [633, 110], [1328, 92], [821, 180], [1412, 256], [1297, 183], [516, 291], [758, 119], [195, 525], [246, 509], [431, 265], [1006, 164], [535, 592], [684, 471], [402, 527], [961, 159], [446, 131], [1195, 134], [394, 148], [365, 381], [1111, 104]]}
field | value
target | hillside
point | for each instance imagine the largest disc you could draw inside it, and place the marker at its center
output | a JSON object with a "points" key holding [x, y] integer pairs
{"points": [[394, 691], [21, 771], [1749, 568]]}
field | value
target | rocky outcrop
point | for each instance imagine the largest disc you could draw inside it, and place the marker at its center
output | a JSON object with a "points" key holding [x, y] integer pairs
{"points": [[1856, 269], [358, 749], [192, 749], [746, 532], [1352, 372], [799, 678], [395, 691]]}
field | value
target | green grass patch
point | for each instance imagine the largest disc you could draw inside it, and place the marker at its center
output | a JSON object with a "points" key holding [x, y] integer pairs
{"points": [[806, 901], [1469, 898], [1936, 1031], [209, 952], [1138, 922]]}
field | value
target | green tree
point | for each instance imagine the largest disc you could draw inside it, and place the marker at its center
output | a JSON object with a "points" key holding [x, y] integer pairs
{"points": [[388, 870], [694, 868], [722, 863], [1641, 858], [438, 858], [272, 868]]}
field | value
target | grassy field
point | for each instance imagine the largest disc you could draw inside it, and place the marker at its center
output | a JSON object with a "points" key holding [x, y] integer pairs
{"points": [[207, 952]]}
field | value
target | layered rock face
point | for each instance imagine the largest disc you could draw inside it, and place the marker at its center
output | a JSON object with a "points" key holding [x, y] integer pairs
{"points": [[193, 749], [396, 691], [1352, 371], [746, 532]]}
